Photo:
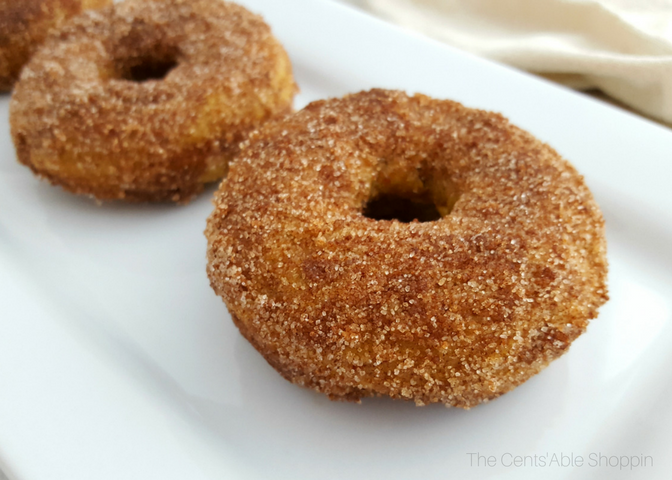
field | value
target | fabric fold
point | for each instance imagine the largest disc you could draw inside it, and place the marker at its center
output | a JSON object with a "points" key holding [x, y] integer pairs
{"points": [[622, 47]]}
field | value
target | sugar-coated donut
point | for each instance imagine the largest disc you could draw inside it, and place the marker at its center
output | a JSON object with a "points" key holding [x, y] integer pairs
{"points": [[503, 272], [24, 25], [148, 100]]}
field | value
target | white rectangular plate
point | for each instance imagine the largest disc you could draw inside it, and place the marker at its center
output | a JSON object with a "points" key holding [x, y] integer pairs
{"points": [[117, 361]]}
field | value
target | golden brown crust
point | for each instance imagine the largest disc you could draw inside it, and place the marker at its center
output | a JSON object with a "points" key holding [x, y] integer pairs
{"points": [[459, 310], [80, 121], [24, 25]]}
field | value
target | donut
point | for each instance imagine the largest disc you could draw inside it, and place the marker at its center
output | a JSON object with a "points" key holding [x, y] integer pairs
{"points": [[382, 244], [148, 100], [24, 25]]}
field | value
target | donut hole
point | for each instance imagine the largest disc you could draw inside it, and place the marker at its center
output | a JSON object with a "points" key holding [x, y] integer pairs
{"points": [[148, 68], [407, 191], [394, 207]]}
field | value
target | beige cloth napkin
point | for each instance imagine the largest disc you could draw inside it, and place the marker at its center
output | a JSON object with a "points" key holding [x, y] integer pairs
{"points": [[622, 47]]}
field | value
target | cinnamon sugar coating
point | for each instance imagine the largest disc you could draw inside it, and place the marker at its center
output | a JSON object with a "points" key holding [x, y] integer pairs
{"points": [[457, 310], [24, 25], [92, 114]]}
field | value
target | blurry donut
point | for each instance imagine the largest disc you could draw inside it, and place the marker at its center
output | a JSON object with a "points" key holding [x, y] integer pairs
{"points": [[148, 100], [24, 25]]}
